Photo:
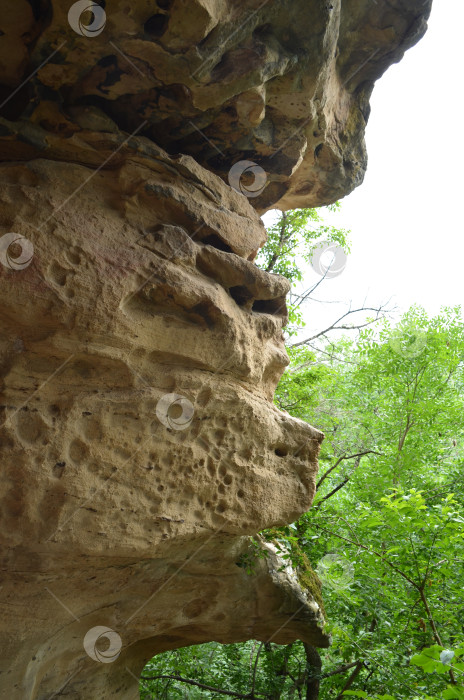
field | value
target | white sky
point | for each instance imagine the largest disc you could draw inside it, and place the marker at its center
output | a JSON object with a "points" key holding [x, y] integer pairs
{"points": [[407, 219]]}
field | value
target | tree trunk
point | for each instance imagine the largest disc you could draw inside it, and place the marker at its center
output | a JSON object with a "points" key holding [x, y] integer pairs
{"points": [[314, 666]]}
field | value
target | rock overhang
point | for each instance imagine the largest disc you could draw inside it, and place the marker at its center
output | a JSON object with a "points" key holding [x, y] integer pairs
{"points": [[116, 153], [283, 84]]}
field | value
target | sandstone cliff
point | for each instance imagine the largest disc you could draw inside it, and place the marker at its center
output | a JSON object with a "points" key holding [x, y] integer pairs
{"points": [[140, 345]]}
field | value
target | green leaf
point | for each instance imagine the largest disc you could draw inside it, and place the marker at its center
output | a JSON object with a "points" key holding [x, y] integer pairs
{"points": [[454, 692]]}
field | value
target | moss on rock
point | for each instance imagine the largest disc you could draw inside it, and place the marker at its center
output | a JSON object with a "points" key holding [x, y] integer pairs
{"points": [[307, 577]]}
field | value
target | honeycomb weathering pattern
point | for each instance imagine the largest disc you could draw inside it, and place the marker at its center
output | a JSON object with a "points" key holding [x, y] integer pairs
{"points": [[116, 512]]}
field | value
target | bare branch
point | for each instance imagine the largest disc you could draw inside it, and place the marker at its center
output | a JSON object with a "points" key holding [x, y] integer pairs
{"points": [[307, 294], [359, 454], [340, 669], [334, 327], [189, 681], [340, 486], [351, 679], [334, 466]]}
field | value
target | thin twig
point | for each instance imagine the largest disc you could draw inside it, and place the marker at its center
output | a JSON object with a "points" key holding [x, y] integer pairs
{"points": [[189, 681]]}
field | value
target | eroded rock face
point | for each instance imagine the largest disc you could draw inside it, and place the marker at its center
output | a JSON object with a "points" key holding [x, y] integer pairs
{"points": [[283, 83], [140, 346], [140, 287]]}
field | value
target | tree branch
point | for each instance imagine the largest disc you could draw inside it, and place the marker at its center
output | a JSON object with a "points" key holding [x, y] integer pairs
{"points": [[334, 491], [252, 692], [358, 667], [418, 587], [305, 295], [340, 669], [358, 454], [378, 310], [351, 679], [189, 681], [377, 554]]}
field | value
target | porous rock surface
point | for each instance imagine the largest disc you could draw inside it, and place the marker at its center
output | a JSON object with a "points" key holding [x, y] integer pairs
{"points": [[283, 83], [140, 289], [117, 510]]}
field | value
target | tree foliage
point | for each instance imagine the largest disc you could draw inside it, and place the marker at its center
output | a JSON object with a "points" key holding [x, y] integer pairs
{"points": [[291, 241], [386, 530], [390, 495]]}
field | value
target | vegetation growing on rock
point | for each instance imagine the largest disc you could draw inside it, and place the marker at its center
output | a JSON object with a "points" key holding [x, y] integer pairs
{"points": [[386, 531]]}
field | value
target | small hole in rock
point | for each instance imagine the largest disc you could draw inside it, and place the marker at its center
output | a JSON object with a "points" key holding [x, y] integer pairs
{"points": [[216, 242], [58, 469], [281, 451], [240, 294], [156, 25], [269, 306]]}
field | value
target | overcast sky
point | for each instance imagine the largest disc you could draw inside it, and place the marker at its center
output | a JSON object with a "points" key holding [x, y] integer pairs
{"points": [[407, 219]]}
